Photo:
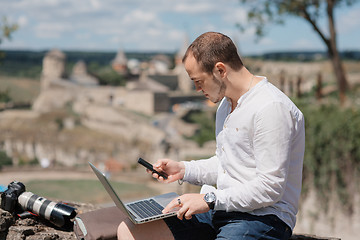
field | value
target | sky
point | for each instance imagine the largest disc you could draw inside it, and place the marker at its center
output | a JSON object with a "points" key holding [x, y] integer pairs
{"points": [[158, 25]]}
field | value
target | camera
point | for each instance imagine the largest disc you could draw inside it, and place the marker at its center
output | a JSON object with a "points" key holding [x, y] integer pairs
{"points": [[15, 199], [10, 196]]}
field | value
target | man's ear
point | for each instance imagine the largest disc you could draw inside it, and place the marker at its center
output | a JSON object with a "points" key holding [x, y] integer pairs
{"points": [[220, 69]]}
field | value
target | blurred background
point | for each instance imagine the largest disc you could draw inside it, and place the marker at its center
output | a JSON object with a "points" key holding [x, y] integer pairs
{"points": [[102, 81]]}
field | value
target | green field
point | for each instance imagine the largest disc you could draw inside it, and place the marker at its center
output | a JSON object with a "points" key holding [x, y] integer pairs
{"points": [[20, 89], [85, 191]]}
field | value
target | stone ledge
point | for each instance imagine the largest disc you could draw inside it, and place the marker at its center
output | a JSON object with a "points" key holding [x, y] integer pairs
{"points": [[36, 228], [311, 237], [39, 229]]}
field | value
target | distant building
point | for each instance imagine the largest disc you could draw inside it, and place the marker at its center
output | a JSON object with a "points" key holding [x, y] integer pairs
{"points": [[119, 64], [81, 76], [53, 67], [160, 64], [185, 84], [158, 85]]}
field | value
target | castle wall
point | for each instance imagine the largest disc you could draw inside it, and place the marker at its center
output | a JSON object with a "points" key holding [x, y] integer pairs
{"points": [[140, 101]]}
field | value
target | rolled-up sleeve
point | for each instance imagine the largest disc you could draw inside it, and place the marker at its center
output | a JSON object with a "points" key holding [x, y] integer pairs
{"points": [[201, 172]]}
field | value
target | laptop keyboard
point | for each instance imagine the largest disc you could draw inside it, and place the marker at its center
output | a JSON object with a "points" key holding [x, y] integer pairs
{"points": [[146, 208]]}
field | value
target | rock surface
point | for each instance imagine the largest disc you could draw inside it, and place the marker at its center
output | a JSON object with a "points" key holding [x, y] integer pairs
{"points": [[39, 229], [36, 228]]}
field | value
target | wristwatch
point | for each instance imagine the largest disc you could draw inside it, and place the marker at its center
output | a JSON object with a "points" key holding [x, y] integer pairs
{"points": [[210, 199]]}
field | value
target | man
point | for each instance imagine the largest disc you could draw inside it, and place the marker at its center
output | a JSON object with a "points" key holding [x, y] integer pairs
{"points": [[257, 168]]}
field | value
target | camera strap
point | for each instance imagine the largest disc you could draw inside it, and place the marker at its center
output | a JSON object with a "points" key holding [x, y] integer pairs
{"points": [[26, 214], [2, 188]]}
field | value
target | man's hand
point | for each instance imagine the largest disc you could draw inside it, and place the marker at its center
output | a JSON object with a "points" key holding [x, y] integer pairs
{"points": [[188, 204], [174, 170]]}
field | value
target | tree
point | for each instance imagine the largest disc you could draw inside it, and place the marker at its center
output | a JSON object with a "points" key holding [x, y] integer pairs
{"points": [[6, 29], [5, 160], [266, 11]]}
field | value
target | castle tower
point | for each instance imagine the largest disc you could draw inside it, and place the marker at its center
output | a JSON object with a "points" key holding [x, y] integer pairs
{"points": [[81, 76], [184, 82], [53, 67], [119, 64], [180, 54]]}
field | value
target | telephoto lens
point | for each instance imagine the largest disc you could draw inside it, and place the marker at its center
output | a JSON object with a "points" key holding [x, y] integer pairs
{"points": [[57, 213]]}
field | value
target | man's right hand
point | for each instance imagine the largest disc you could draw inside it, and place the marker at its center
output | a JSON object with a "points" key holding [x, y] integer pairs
{"points": [[174, 170]]}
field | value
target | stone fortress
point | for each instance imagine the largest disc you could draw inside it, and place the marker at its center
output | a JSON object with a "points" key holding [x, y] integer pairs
{"points": [[145, 94], [136, 119], [141, 118]]}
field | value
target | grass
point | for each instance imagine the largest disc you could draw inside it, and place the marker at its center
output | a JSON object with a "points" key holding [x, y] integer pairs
{"points": [[85, 191], [20, 89]]}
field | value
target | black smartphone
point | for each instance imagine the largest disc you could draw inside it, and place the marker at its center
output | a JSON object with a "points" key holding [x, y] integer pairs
{"points": [[150, 167]]}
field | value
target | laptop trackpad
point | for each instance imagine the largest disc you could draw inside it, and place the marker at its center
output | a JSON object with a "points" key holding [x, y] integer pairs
{"points": [[164, 199]]}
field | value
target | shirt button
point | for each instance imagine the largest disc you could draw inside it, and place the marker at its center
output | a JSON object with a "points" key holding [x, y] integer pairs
{"points": [[224, 171], [223, 149]]}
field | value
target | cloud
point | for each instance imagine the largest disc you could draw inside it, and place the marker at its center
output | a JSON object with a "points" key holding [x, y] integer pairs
{"points": [[52, 29], [14, 44], [135, 24], [82, 36], [195, 7], [130, 23], [266, 41], [95, 4], [349, 22], [22, 21], [139, 16], [236, 15], [305, 43]]}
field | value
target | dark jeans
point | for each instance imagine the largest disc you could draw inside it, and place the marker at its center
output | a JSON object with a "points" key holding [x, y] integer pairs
{"points": [[229, 225]]}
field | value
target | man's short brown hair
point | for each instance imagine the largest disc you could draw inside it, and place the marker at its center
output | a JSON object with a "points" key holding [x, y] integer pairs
{"points": [[212, 47]]}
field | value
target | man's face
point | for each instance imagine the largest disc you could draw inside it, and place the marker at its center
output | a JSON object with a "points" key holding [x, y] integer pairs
{"points": [[212, 87]]}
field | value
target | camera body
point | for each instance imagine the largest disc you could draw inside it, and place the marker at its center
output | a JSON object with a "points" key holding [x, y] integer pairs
{"points": [[16, 199], [10, 196]]}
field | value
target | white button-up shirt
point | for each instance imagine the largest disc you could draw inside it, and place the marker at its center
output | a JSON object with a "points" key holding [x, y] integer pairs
{"points": [[259, 155]]}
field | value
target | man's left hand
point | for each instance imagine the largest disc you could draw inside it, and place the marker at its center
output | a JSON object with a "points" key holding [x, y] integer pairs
{"points": [[188, 204]]}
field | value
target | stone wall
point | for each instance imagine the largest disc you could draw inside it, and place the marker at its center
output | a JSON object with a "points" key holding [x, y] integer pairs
{"points": [[334, 221], [102, 132]]}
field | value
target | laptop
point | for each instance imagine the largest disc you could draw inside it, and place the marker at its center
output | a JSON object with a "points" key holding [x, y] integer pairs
{"points": [[140, 211]]}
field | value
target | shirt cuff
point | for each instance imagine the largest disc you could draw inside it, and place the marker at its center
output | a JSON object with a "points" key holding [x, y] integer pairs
{"points": [[191, 173], [187, 175]]}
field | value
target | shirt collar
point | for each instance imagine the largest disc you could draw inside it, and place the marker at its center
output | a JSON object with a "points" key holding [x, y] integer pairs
{"points": [[245, 95]]}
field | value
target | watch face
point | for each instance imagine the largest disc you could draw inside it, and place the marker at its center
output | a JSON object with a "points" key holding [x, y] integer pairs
{"points": [[210, 197]]}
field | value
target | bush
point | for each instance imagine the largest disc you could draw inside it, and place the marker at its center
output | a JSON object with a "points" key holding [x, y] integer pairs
{"points": [[5, 96], [332, 153], [332, 149], [107, 76], [5, 160], [206, 122]]}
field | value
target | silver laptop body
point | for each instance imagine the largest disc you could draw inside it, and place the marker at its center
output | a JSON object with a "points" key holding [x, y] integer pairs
{"points": [[136, 215]]}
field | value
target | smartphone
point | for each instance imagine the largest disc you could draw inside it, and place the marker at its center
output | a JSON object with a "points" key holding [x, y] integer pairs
{"points": [[150, 167]]}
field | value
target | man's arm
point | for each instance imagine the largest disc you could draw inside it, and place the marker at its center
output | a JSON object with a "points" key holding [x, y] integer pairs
{"points": [[195, 172], [201, 172]]}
